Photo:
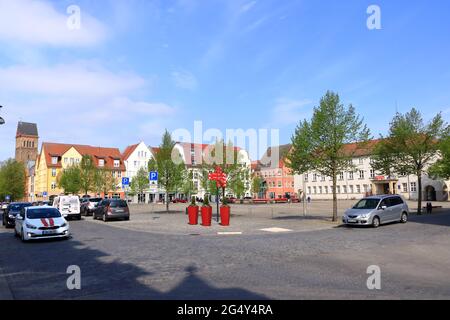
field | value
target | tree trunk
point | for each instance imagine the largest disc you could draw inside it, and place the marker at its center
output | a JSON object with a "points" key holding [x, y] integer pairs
{"points": [[167, 202], [419, 191], [335, 218]]}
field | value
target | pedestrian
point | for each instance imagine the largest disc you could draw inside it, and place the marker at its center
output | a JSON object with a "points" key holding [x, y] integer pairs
{"points": [[429, 207], [309, 199]]}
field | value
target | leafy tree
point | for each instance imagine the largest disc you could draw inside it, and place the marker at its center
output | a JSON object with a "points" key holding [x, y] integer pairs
{"points": [[140, 182], [103, 181], [70, 180], [256, 185], [441, 168], [411, 146], [238, 183], [87, 171], [12, 180], [169, 165], [318, 145]]}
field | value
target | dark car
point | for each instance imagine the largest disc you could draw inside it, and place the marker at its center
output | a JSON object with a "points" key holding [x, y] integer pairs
{"points": [[88, 205], [9, 215], [109, 209], [179, 201]]}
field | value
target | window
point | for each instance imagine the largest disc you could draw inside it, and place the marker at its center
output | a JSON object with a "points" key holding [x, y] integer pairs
{"points": [[413, 187], [279, 184], [292, 184], [361, 161], [338, 189], [101, 162], [135, 164], [119, 174], [314, 177], [372, 174], [314, 190], [322, 178], [113, 174], [341, 176], [344, 189], [116, 163], [350, 189], [320, 190], [72, 161], [53, 185], [361, 174], [53, 172], [350, 175], [358, 188], [306, 177], [326, 189], [54, 160], [309, 190], [77, 160], [405, 187]]}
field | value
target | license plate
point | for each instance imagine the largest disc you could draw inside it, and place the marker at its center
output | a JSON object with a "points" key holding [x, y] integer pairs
{"points": [[48, 232], [351, 220], [120, 211]]}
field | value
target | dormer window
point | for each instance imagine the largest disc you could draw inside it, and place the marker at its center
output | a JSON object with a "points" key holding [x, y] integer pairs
{"points": [[54, 160], [116, 163], [101, 162]]}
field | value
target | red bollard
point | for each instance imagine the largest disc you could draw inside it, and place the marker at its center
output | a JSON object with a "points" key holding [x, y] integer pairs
{"points": [[193, 215], [225, 215]]}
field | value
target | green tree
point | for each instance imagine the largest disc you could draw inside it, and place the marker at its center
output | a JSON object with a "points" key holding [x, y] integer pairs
{"points": [[12, 180], [238, 183], [87, 171], [169, 165], [103, 181], [70, 180], [441, 168], [411, 147], [318, 145], [256, 185], [140, 182]]}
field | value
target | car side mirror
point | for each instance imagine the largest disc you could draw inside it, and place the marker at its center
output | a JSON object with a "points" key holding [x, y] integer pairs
{"points": [[383, 207]]}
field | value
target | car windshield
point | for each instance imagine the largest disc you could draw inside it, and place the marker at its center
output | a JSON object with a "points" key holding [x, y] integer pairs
{"points": [[95, 200], [118, 204], [367, 204], [19, 206], [41, 213]]}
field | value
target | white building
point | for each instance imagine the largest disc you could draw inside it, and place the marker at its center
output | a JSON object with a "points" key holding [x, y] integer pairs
{"points": [[364, 180], [136, 157]]}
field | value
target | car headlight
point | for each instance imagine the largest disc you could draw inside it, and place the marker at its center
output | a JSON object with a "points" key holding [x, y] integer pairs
{"points": [[364, 216], [30, 226], [12, 216]]}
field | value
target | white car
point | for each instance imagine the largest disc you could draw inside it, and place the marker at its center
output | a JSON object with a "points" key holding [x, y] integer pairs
{"points": [[41, 223], [69, 206]]}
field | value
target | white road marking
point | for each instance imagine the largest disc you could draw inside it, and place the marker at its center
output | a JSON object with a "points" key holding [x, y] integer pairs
{"points": [[276, 230], [228, 233]]}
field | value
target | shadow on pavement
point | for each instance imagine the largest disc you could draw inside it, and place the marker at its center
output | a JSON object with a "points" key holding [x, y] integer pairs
{"points": [[37, 270], [300, 218], [439, 217]]}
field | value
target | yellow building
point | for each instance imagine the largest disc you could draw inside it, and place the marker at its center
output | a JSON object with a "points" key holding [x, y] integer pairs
{"points": [[55, 157]]}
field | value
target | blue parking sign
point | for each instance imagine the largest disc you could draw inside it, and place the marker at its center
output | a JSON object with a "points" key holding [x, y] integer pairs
{"points": [[153, 176], [125, 181], [7, 198]]}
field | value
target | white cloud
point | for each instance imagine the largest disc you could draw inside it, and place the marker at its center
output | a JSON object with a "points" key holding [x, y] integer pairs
{"points": [[184, 80], [81, 78], [39, 23], [289, 111], [246, 7]]}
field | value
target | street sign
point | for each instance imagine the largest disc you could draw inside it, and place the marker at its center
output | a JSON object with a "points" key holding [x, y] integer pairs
{"points": [[125, 181], [44, 194], [7, 198], [153, 176]]}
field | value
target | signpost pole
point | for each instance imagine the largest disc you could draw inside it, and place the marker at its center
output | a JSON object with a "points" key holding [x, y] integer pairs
{"points": [[217, 200]]}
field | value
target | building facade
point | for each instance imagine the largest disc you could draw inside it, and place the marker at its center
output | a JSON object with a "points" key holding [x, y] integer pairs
{"points": [[364, 180], [27, 140], [54, 158]]}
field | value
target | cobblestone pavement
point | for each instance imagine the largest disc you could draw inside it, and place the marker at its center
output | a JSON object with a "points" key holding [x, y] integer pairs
{"points": [[122, 263]]}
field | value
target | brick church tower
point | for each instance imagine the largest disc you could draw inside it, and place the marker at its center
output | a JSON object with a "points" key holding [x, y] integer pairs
{"points": [[26, 142]]}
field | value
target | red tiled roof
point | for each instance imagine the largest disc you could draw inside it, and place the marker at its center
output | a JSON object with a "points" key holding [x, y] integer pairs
{"points": [[58, 149], [129, 150], [360, 150]]}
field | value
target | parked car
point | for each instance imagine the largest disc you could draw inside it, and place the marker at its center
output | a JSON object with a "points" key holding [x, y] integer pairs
{"points": [[108, 209], [69, 206], [377, 210], [9, 215], [4, 206], [41, 223], [179, 201], [88, 205]]}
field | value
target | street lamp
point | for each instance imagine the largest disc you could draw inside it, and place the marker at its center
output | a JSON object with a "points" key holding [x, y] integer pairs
{"points": [[2, 121]]}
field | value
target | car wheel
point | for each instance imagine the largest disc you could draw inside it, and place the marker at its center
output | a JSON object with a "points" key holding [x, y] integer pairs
{"points": [[375, 222], [404, 217]]}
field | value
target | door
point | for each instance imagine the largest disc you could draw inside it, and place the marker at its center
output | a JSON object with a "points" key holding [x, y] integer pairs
{"points": [[384, 214], [19, 222], [396, 208]]}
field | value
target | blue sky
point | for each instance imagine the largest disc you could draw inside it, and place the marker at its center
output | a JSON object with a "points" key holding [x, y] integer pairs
{"points": [[137, 67]]}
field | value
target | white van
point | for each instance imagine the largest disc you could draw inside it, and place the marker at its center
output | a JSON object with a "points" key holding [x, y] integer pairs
{"points": [[69, 206]]}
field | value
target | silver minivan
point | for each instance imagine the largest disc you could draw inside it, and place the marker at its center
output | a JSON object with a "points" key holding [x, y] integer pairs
{"points": [[377, 210]]}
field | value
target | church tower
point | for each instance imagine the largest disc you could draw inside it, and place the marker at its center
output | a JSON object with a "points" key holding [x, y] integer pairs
{"points": [[26, 142]]}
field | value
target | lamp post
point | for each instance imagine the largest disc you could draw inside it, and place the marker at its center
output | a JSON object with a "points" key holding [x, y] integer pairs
{"points": [[2, 121]]}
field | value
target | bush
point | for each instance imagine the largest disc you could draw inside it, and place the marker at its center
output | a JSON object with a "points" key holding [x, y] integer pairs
{"points": [[206, 201], [193, 202]]}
